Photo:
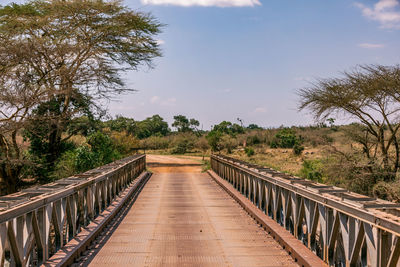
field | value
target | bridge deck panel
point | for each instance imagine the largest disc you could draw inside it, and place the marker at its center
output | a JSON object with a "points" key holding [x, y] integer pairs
{"points": [[186, 219]]}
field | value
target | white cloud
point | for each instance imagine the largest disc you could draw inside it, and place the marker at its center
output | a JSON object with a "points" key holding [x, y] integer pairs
{"points": [[371, 46], [386, 12], [260, 110], [204, 3], [160, 42]]}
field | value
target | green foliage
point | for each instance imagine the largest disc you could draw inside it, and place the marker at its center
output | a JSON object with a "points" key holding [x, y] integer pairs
{"points": [[228, 142], [122, 124], [100, 150], [249, 151], [222, 136], [155, 142], [287, 138], [298, 149], [124, 143], [183, 124], [227, 127], [152, 126], [254, 127], [183, 144], [66, 165], [103, 148], [214, 140], [253, 140], [312, 170], [85, 159], [84, 125]]}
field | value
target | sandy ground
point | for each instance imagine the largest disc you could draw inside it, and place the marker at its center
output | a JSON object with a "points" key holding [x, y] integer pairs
{"points": [[183, 218], [176, 164]]}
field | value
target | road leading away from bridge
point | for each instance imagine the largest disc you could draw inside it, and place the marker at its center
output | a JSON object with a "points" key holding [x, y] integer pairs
{"points": [[183, 218]]}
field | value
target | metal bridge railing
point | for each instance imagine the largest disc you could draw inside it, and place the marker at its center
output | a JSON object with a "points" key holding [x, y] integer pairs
{"points": [[343, 228], [38, 221]]}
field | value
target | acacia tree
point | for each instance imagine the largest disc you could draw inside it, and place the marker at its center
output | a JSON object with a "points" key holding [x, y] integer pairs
{"points": [[371, 95], [183, 124], [69, 55]]}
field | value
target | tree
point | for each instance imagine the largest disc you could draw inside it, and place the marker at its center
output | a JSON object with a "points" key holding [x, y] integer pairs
{"points": [[183, 124], [227, 127], [122, 124], [214, 140], [369, 94], [64, 57], [152, 126], [253, 126]]}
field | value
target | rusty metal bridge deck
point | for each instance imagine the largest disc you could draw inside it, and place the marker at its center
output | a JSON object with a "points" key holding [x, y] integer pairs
{"points": [[186, 219]]}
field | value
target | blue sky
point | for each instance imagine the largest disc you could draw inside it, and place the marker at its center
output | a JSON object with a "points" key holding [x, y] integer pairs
{"points": [[224, 59]]}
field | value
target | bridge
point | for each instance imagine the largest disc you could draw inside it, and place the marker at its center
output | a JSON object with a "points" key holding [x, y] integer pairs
{"points": [[236, 214]]}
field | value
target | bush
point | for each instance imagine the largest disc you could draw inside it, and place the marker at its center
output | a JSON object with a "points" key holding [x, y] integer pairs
{"points": [[183, 143], [124, 143], [286, 138], [249, 151], [253, 140], [214, 140], [389, 191], [228, 143], [66, 165], [298, 149], [103, 148], [85, 159], [312, 170], [155, 142]]}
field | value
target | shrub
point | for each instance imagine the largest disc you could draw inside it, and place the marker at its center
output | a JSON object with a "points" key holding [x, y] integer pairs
{"points": [[123, 142], [85, 159], [249, 151], [103, 148], [389, 191], [183, 143], [155, 142], [66, 165], [214, 140], [312, 170], [298, 149], [286, 138], [228, 143], [202, 144], [253, 140]]}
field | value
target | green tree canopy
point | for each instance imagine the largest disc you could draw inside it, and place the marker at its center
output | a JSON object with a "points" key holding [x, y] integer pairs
{"points": [[152, 126], [121, 124], [183, 124], [230, 128]]}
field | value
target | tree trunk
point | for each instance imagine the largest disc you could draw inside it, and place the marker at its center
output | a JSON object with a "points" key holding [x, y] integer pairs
{"points": [[10, 176]]}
